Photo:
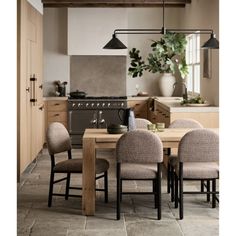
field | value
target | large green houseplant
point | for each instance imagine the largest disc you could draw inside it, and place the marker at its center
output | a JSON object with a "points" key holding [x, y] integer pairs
{"points": [[167, 54]]}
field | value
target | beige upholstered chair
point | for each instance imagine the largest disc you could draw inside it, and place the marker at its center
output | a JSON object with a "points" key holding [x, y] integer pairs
{"points": [[141, 123], [139, 156], [172, 160], [58, 140], [198, 155]]}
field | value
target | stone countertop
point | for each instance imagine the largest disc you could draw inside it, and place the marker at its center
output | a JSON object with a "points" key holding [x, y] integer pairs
{"points": [[55, 98], [173, 105]]}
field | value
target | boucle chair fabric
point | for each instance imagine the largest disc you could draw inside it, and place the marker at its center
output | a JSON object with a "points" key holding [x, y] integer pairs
{"points": [[58, 138], [199, 151], [200, 145], [139, 146], [185, 123], [142, 123]]}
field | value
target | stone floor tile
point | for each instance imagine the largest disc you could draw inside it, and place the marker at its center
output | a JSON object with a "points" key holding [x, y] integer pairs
{"points": [[153, 228], [199, 227], [107, 232], [105, 221]]}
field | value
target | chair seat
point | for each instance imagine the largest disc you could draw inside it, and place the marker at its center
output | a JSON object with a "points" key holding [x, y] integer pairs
{"points": [[199, 170], [138, 171], [69, 166], [102, 165], [76, 166]]}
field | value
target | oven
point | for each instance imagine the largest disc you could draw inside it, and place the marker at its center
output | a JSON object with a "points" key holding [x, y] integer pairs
{"points": [[94, 113]]}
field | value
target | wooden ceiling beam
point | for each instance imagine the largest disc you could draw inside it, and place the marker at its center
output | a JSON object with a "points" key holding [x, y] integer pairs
{"points": [[114, 3]]}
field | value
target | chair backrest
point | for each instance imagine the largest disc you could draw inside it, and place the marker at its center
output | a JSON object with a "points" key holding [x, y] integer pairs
{"points": [[139, 146], [58, 139], [199, 145], [185, 123], [141, 123]]}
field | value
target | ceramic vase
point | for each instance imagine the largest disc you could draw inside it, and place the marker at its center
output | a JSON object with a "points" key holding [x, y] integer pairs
{"points": [[166, 84]]}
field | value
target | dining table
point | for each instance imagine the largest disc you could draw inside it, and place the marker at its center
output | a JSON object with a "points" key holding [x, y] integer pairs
{"points": [[94, 139]]}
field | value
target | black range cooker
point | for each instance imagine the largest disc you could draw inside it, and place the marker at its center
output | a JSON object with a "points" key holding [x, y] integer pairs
{"points": [[94, 112]]}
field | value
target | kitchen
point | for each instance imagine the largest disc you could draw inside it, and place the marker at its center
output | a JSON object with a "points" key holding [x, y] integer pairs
{"points": [[65, 58]]}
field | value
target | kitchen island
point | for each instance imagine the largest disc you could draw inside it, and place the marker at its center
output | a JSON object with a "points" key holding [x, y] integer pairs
{"points": [[169, 109]]}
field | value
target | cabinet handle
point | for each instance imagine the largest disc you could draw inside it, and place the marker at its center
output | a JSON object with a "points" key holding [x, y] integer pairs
{"points": [[41, 108], [56, 104], [33, 80], [28, 89], [56, 115], [41, 86]]}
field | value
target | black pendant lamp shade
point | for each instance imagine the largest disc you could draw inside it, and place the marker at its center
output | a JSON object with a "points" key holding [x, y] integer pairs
{"points": [[212, 43], [114, 43]]}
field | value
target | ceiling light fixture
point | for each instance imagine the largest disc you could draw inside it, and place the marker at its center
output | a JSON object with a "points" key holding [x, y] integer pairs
{"points": [[115, 43]]}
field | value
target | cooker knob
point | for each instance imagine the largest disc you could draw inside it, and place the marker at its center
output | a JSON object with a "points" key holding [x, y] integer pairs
{"points": [[103, 104], [122, 104], [73, 104], [92, 104], [109, 104], [98, 104], [79, 104], [86, 104]]}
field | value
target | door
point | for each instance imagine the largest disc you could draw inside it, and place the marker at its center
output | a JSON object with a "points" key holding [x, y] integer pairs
{"points": [[111, 116]]}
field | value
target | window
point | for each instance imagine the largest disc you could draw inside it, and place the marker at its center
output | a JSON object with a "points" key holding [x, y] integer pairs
{"points": [[193, 62]]}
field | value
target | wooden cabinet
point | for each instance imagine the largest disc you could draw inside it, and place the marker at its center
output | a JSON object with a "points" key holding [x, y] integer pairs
{"points": [[207, 116], [140, 107], [56, 111], [30, 105]]}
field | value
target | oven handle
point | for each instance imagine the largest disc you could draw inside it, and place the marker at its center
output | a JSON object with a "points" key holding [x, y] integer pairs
{"points": [[100, 119]]}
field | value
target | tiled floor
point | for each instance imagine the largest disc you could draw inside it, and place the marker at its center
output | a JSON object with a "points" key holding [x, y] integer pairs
{"points": [[138, 214]]}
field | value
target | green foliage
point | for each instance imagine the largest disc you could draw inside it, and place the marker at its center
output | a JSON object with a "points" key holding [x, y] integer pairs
{"points": [[165, 51]]}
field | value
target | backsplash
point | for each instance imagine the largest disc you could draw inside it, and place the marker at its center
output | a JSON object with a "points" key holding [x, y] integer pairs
{"points": [[98, 75]]}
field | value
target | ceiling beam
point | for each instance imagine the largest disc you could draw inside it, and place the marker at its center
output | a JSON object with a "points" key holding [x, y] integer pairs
{"points": [[114, 3]]}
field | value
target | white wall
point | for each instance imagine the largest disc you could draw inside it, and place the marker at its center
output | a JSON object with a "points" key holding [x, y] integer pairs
{"points": [[56, 60], [205, 14]]}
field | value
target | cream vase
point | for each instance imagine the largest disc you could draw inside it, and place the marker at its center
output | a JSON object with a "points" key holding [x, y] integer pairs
{"points": [[166, 84]]}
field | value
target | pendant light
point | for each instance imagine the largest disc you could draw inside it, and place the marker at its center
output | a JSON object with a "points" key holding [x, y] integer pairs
{"points": [[115, 43]]}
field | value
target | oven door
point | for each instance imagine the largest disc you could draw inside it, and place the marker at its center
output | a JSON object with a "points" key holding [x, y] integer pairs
{"points": [[78, 121], [110, 116]]}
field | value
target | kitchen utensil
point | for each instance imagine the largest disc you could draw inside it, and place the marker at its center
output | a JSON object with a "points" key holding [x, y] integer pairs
{"points": [[78, 94]]}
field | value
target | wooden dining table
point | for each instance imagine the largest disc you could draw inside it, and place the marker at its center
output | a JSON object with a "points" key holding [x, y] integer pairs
{"points": [[94, 139]]}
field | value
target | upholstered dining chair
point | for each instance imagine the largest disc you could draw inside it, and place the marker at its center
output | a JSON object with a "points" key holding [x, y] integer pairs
{"points": [[139, 156], [172, 159], [141, 123], [198, 156], [58, 141]]}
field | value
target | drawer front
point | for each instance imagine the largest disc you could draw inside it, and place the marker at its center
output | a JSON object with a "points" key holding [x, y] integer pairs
{"points": [[138, 105], [57, 116], [57, 106]]}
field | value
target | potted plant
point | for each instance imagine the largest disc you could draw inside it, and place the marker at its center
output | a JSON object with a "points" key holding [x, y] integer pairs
{"points": [[168, 53]]}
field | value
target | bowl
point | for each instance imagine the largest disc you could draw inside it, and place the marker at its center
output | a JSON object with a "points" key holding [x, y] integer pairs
{"points": [[116, 129]]}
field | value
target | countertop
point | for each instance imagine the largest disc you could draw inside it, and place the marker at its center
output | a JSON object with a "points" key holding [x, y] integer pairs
{"points": [[173, 105], [55, 98]]}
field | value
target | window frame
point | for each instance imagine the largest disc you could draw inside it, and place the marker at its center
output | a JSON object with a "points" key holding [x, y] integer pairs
{"points": [[193, 60]]}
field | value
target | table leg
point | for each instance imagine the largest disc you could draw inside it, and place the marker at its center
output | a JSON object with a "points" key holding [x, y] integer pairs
{"points": [[88, 177]]}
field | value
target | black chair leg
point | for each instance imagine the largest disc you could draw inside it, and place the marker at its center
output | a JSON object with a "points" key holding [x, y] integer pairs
{"points": [[154, 190], [158, 191], [121, 190], [202, 186], [176, 196], [106, 187], [172, 183], [67, 186], [168, 177], [50, 189], [181, 205], [213, 194], [208, 190], [118, 192]]}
